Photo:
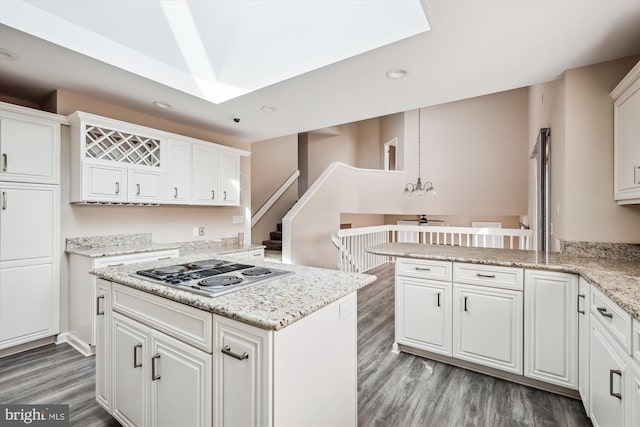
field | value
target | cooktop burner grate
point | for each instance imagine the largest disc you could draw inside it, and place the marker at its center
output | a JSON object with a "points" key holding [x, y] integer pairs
{"points": [[220, 281], [256, 272]]}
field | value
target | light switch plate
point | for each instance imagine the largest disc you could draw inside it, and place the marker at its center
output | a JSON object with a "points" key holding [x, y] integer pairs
{"points": [[238, 219]]}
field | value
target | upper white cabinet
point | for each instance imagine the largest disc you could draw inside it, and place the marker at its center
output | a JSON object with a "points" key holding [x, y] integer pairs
{"points": [[627, 138], [29, 146], [119, 162]]}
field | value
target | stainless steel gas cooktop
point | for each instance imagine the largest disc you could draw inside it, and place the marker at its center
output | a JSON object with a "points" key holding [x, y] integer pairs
{"points": [[210, 277]]}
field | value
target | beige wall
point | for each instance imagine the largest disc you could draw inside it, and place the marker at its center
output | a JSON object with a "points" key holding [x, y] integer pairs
{"points": [[361, 219], [273, 161], [369, 151], [589, 211], [324, 148], [392, 126]]}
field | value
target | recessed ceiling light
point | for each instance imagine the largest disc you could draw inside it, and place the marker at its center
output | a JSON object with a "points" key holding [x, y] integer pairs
{"points": [[268, 109], [7, 55], [396, 74], [162, 104]]}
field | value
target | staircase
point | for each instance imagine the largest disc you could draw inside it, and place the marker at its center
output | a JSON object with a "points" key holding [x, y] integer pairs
{"points": [[275, 241]]}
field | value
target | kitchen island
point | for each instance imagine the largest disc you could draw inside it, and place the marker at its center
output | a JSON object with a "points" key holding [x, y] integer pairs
{"points": [[276, 353]]}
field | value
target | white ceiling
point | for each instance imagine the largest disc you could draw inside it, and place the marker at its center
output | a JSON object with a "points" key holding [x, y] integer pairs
{"points": [[474, 47]]}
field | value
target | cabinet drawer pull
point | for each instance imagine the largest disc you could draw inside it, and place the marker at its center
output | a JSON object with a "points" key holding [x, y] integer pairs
{"points": [[175, 192], [487, 276], [422, 269], [138, 189], [154, 369], [5, 162], [116, 265], [224, 195], [227, 350], [603, 312], [98, 312], [578, 303], [164, 257], [213, 194], [136, 363], [117, 187], [4, 200], [465, 304], [438, 299], [636, 175], [619, 373]]}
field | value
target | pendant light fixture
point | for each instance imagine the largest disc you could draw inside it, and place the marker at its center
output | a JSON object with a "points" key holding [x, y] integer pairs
{"points": [[419, 189]]}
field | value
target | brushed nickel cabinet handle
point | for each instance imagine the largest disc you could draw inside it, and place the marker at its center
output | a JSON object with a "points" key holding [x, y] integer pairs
{"points": [[603, 312], [224, 195], [487, 276], [438, 299], [578, 303], [154, 369], [136, 363], [117, 187], [175, 192], [227, 350], [5, 162], [213, 194], [138, 188], [465, 304], [422, 269], [164, 257], [4, 200], [617, 372], [116, 265], [636, 175], [98, 312]]}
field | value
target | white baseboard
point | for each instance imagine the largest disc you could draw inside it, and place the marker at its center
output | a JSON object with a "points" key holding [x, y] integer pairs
{"points": [[75, 342]]}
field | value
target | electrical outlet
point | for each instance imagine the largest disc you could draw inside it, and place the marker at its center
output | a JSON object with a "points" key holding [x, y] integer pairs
{"points": [[195, 231], [200, 231], [551, 228]]}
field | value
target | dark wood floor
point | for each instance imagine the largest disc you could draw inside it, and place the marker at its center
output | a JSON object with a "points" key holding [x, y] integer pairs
{"points": [[393, 389], [406, 390]]}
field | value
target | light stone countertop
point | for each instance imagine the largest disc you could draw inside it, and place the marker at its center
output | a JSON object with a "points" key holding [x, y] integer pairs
{"points": [[115, 250], [617, 278], [271, 305]]}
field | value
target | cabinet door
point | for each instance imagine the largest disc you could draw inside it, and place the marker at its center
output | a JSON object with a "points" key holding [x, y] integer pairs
{"points": [[27, 222], [550, 327], [205, 175], [30, 151], [145, 185], [179, 170], [104, 183], [181, 384], [627, 147], [423, 314], [131, 362], [584, 317], [634, 396], [241, 395], [607, 377], [229, 178], [28, 304], [487, 326], [102, 314]]}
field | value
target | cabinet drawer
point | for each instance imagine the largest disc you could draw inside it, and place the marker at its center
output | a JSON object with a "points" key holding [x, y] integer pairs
{"points": [[427, 269], [488, 275], [615, 320], [188, 324], [114, 261]]}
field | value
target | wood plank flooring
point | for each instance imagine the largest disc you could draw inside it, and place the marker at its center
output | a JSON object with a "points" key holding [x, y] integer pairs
{"points": [[406, 390], [393, 389]]}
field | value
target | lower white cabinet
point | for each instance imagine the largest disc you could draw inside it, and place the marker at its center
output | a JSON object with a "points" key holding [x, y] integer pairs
{"points": [[608, 376], [550, 324], [487, 326], [103, 341], [584, 317], [158, 380], [424, 319]]}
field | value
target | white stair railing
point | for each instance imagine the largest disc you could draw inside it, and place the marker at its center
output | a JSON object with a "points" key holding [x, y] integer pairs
{"points": [[352, 242], [274, 198]]}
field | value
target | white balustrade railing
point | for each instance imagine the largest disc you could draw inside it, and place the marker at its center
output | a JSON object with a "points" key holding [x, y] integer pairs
{"points": [[352, 242]]}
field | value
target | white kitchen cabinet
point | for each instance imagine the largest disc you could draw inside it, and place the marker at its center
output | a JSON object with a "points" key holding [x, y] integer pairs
{"points": [[487, 326], [102, 316], [229, 178], [584, 317], [424, 318], [29, 266], [104, 182], [179, 171], [250, 255], [145, 185], [633, 393], [205, 175], [551, 330], [158, 380], [627, 138], [84, 295], [242, 372], [29, 146], [608, 377]]}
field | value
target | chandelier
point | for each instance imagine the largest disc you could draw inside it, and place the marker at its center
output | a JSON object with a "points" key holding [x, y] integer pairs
{"points": [[419, 189]]}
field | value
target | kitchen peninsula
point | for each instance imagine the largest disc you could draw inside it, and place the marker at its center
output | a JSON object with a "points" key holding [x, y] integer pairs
{"points": [[562, 323], [262, 355]]}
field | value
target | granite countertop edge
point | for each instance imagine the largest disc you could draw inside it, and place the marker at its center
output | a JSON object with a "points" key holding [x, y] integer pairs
{"points": [[272, 305], [617, 279], [116, 250]]}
